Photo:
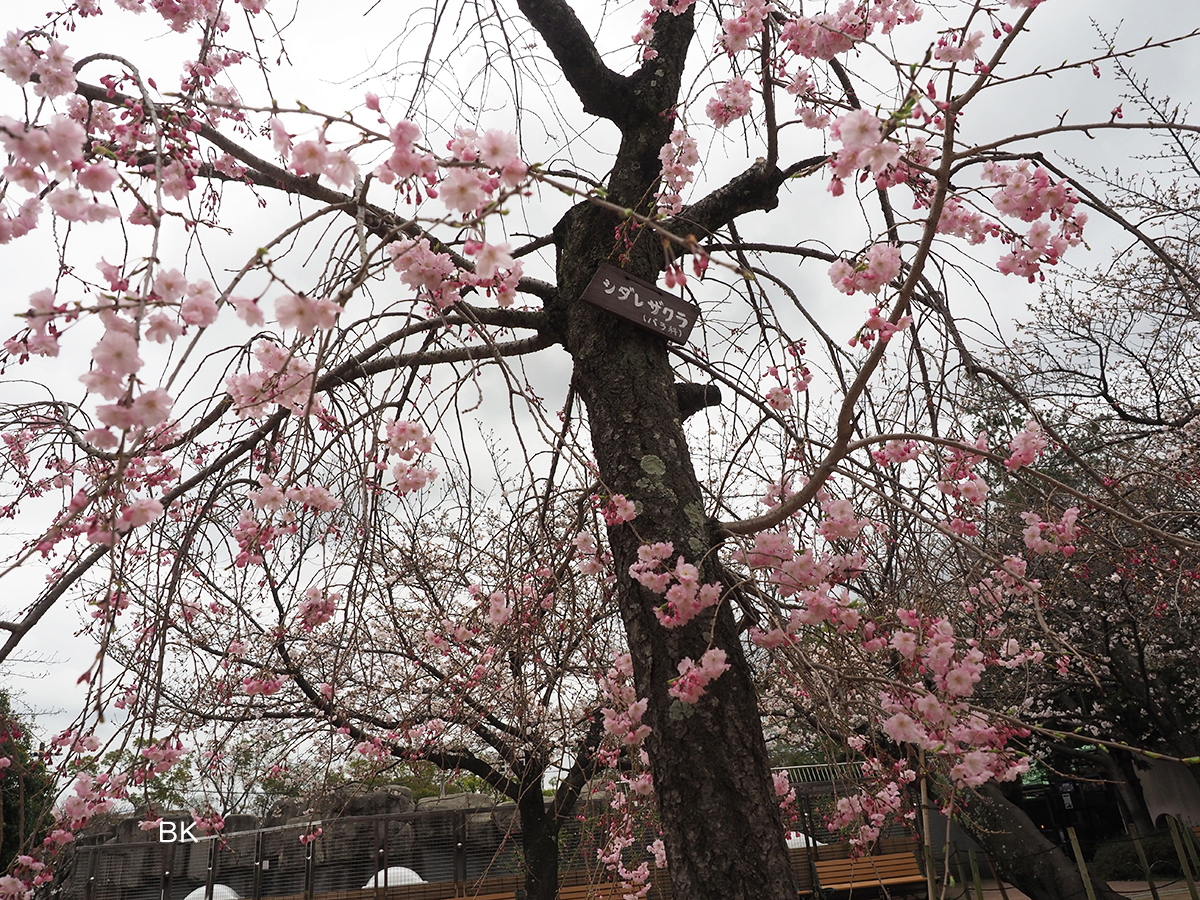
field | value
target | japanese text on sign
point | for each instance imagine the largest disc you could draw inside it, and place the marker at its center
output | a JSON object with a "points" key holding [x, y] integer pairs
{"points": [[643, 304]]}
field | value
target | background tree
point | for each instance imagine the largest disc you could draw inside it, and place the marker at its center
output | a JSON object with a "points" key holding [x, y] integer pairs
{"points": [[27, 788]]}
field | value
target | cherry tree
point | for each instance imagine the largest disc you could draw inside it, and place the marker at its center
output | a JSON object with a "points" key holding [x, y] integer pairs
{"points": [[355, 450]]}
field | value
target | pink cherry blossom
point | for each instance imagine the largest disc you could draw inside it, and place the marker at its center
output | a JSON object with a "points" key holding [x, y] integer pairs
{"points": [[1026, 446], [498, 149], [463, 190], [306, 314], [731, 103], [694, 678]]}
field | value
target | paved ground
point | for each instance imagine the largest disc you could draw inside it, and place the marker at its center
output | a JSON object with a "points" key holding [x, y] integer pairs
{"points": [[1135, 890]]}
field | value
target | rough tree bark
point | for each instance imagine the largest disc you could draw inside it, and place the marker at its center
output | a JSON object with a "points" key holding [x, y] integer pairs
{"points": [[721, 821]]}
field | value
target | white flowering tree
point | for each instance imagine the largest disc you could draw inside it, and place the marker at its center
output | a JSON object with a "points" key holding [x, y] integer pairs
{"points": [[301, 316]]}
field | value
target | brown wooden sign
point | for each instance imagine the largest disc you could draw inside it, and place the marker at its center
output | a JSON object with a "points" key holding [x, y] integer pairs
{"points": [[641, 303]]}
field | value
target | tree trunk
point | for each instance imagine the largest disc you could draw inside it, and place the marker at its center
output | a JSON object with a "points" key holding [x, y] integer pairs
{"points": [[1129, 791], [1025, 857], [539, 843], [721, 822]]}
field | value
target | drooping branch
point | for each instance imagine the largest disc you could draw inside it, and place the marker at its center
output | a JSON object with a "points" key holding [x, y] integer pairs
{"points": [[379, 221]]}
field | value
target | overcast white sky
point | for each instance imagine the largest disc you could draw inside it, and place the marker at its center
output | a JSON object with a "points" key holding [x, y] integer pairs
{"points": [[332, 45]]}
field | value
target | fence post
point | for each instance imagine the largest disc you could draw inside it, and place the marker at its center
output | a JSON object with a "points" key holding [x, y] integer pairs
{"points": [[1141, 852], [975, 874], [1189, 841], [256, 888], [89, 890], [309, 866], [1087, 879], [164, 888], [958, 864], [212, 869], [1183, 860], [996, 874], [926, 838]]}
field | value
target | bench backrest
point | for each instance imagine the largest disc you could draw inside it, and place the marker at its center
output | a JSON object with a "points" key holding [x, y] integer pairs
{"points": [[867, 870]]}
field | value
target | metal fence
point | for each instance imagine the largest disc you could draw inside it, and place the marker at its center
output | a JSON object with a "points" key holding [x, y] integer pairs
{"points": [[461, 852], [454, 853]]}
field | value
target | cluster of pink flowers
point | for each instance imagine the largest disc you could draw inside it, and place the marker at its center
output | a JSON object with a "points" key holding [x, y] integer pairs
{"points": [[495, 270], [863, 147], [870, 809], [694, 677], [115, 361], [407, 160], [678, 157], [731, 103], [284, 379], [163, 755], [962, 483], [787, 570], [623, 712], [826, 35], [264, 685], [1026, 446], [952, 47], [645, 33], [315, 158], [52, 68], [306, 314], [592, 562], [253, 539], [407, 440], [425, 270], [961, 221], [372, 749], [272, 497], [92, 795], [618, 510], [490, 160], [1052, 537], [499, 608], [737, 32], [780, 395], [317, 608], [783, 789], [427, 734], [939, 719], [878, 266], [210, 822], [1030, 195], [840, 522], [896, 452], [878, 326], [685, 596]]}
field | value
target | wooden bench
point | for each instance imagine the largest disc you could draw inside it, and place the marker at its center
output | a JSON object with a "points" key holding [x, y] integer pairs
{"points": [[494, 888], [802, 868], [604, 890], [890, 870]]}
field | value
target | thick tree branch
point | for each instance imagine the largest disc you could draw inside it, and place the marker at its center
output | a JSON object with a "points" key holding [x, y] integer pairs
{"points": [[755, 189], [604, 93]]}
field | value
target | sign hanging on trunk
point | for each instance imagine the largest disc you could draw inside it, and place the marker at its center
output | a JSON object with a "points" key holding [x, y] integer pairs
{"points": [[642, 304]]}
